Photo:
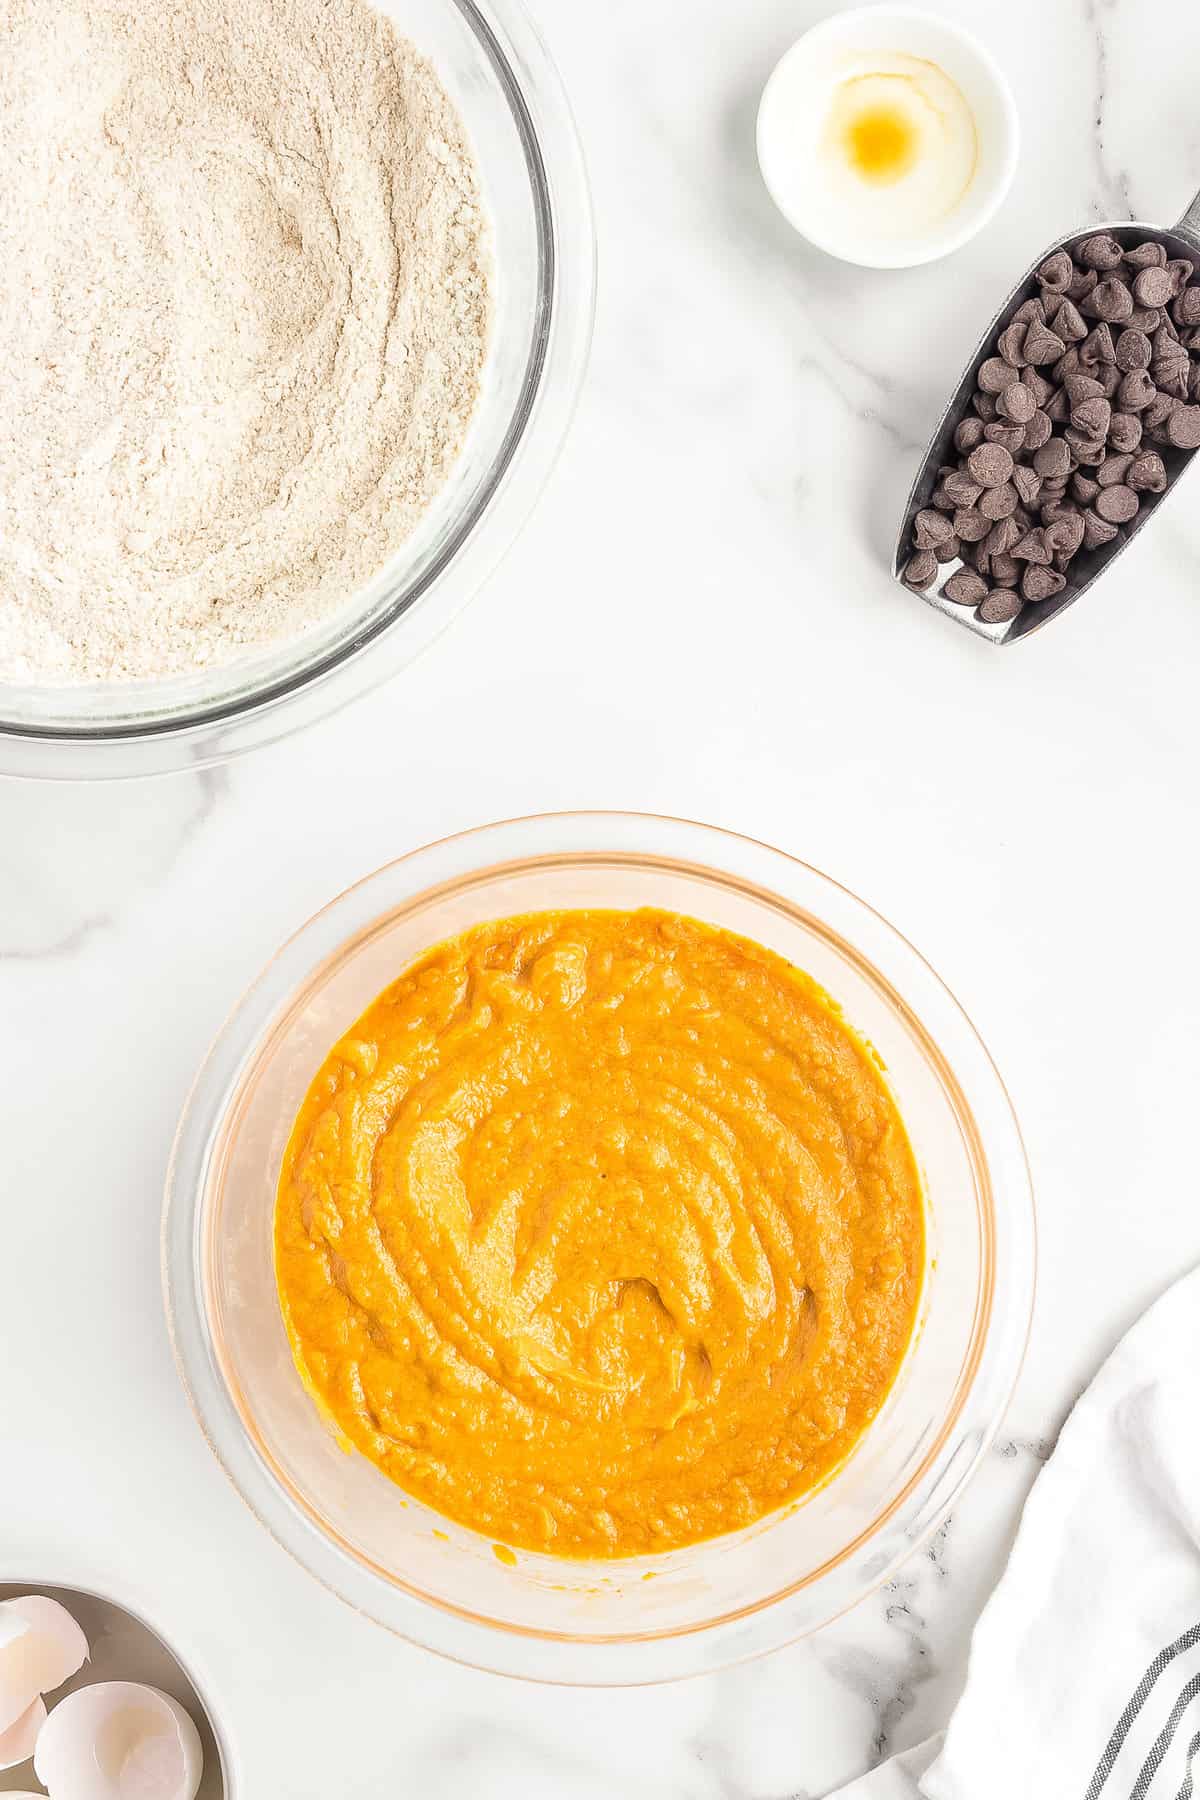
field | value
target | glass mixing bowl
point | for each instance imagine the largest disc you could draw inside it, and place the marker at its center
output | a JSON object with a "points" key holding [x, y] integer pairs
{"points": [[500, 76], [439, 1584]]}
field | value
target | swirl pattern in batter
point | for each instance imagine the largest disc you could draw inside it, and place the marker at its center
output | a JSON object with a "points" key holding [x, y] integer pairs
{"points": [[600, 1232]]}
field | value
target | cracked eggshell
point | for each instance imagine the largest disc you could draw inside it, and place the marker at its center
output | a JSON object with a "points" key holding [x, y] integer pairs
{"points": [[119, 1740], [17, 1743], [41, 1646]]}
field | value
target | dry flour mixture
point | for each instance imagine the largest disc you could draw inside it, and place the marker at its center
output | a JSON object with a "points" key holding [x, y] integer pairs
{"points": [[243, 321]]}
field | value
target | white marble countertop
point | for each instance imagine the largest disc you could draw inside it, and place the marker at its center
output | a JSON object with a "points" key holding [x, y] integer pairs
{"points": [[697, 620]]}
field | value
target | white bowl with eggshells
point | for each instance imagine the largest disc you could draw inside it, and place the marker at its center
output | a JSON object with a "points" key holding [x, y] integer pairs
{"points": [[887, 136], [540, 263]]}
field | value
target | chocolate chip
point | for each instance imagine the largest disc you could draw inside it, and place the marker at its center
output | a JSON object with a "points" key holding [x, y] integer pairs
{"points": [[1011, 344], [1030, 311], [1069, 323], [995, 375], [990, 464], [1125, 431], [1100, 252], [1009, 437], [1017, 404], [1117, 504], [1087, 450], [1000, 606], [1149, 255], [930, 529], [1003, 535], [1165, 345], [1153, 287], [1156, 416], [1145, 318], [949, 551], [1186, 310], [965, 589], [1183, 428], [1033, 547], [1069, 363], [1136, 391], [1096, 531], [1194, 382], [1109, 300], [970, 524], [1168, 364], [984, 405], [961, 490], [1039, 387], [1092, 417], [1171, 376], [1057, 272], [1083, 387], [1038, 430], [1006, 571], [1058, 407], [1098, 347], [1133, 350], [1113, 469], [1042, 345], [1147, 473], [1081, 285], [920, 569], [1109, 377], [1041, 584], [998, 502], [1084, 488], [1028, 484], [1064, 533], [1054, 458], [1181, 272], [967, 433]]}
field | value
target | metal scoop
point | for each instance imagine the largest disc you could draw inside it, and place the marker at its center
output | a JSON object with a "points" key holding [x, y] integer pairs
{"points": [[1182, 240]]}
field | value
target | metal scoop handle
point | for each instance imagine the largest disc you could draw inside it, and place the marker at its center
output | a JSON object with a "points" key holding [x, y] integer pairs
{"points": [[1189, 224]]}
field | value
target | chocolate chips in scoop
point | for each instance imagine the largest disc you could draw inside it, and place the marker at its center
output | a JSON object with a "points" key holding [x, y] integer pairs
{"points": [[1052, 456]]}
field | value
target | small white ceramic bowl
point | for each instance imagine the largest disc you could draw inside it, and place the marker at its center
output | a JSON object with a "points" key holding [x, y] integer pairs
{"points": [[790, 117]]}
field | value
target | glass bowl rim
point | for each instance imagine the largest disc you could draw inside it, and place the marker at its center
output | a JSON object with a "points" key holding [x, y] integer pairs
{"points": [[214, 729], [984, 1383]]}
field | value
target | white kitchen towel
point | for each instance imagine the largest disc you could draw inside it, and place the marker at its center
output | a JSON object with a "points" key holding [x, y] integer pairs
{"points": [[1084, 1676]]}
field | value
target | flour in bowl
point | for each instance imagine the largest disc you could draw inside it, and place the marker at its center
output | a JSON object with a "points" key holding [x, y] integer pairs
{"points": [[243, 322]]}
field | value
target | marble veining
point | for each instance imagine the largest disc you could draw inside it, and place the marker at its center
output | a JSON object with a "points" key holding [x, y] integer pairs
{"points": [[1112, 184]]}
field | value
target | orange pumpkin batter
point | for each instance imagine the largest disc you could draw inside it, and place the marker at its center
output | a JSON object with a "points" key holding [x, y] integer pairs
{"points": [[600, 1232]]}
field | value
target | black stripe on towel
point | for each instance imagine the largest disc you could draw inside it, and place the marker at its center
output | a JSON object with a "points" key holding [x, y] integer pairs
{"points": [[1185, 1787], [1140, 1695], [1162, 1742]]}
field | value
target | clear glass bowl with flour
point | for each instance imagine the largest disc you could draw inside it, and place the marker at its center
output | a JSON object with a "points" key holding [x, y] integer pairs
{"points": [[459, 513]]}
